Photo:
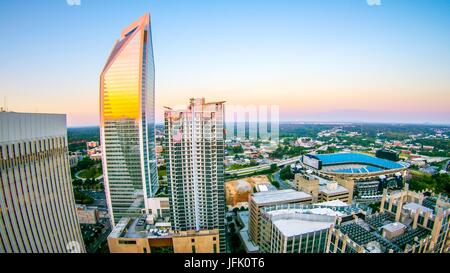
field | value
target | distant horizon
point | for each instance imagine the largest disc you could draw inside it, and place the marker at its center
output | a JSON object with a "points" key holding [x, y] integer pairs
{"points": [[313, 123], [346, 117]]}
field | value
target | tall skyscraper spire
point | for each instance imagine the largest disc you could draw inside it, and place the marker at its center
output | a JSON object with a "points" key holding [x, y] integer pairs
{"points": [[127, 123]]}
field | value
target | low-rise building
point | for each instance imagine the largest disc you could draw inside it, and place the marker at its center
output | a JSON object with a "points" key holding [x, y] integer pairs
{"points": [[296, 230], [308, 183], [261, 199], [333, 191], [302, 228], [135, 235], [323, 190], [139, 235], [203, 241], [91, 144], [87, 215]]}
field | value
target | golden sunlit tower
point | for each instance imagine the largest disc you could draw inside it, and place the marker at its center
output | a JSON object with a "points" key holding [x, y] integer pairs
{"points": [[127, 106]]}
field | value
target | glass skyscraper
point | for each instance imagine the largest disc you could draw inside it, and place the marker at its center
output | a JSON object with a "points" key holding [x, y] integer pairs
{"points": [[127, 122]]}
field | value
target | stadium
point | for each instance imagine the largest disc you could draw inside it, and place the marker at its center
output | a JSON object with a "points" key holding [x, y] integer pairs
{"points": [[352, 164], [370, 174]]}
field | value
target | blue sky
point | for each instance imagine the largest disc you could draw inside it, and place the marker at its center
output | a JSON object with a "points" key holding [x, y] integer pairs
{"points": [[319, 60]]}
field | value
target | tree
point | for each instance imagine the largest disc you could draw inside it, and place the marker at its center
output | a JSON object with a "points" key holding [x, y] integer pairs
{"points": [[85, 163], [439, 183], [235, 149], [275, 184], [82, 198], [286, 173], [77, 183], [273, 167]]}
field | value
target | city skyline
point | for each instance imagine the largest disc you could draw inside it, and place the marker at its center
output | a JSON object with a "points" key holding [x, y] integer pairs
{"points": [[386, 63], [238, 127]]}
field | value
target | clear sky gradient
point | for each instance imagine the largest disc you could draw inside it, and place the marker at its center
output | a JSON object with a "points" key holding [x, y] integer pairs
{"points": [[335, 60]]}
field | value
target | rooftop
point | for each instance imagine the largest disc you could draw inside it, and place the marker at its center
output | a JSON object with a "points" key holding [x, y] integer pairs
{"points": [[138, 228], [364, 237], [318, 209], [332, 188], [414, 207], [119, 228], [293, 227], [292, 222], [393, 227], [365, 232], [25, 126], [333, 203], [271, 197], [306, 210], [243, 233]]}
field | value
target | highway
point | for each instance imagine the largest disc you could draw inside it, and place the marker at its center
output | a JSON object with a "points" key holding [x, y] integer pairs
{"points": [[263, 167]]}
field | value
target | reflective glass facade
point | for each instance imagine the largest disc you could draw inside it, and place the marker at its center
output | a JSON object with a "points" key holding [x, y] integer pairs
{"points": [[127, 122]]}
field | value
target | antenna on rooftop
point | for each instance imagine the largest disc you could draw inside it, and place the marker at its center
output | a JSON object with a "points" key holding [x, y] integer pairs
{"points": [[5, 105]]}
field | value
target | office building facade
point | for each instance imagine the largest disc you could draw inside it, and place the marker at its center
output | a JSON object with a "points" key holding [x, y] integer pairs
{"points": [[195, 152], [37, 206], [296, 230], [127, 124], [259, 200]]}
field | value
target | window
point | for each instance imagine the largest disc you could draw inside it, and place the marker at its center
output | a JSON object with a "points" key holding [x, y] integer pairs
{"points": [[123, 242]]}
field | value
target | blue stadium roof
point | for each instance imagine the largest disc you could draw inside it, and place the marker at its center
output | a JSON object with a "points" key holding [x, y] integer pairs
{"points": [[355, 158]]}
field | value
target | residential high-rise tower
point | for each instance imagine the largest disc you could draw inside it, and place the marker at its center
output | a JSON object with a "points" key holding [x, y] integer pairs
{"points": [[194, 146], [127, 122]]}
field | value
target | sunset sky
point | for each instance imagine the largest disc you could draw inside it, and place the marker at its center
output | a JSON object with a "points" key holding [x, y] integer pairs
{"points": [[335, 60]]}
